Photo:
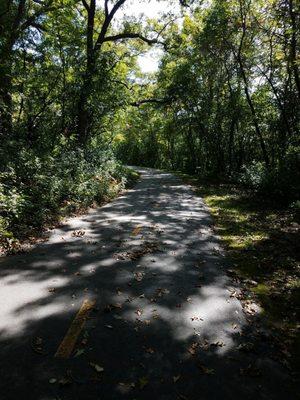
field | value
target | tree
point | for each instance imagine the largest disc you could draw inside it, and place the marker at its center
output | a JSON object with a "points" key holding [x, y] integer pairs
{"points": [[16, 18], [93, 48]]}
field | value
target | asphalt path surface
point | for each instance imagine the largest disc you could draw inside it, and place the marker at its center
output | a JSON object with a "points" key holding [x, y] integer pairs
{"points": [[167, 321]]}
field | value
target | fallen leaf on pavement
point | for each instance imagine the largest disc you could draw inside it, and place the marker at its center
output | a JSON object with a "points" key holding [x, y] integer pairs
{"points": [[143, 382], [125, 387], [182, 397], [138, 276], [150, 350], [97, 367], [197, 319], [217, 344], [78, 233], [251, 370], [65, 381], [79, 352], [205, 370], [247, 347], [110, 307], [193, 347]]}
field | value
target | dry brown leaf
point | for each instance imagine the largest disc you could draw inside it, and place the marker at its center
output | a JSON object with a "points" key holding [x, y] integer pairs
{"points": [[150, 350], [193, 348], [251, 370], [97, 367], [205, 370], [78, 233]]}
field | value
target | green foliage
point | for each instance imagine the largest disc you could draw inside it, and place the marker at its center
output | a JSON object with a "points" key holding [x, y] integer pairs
{"points": [[279, 184], [253, 175], [35, 189], [231, 100]]}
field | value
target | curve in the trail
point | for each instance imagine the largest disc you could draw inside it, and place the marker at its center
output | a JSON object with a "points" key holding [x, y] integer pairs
{"points": [[167, 324]]}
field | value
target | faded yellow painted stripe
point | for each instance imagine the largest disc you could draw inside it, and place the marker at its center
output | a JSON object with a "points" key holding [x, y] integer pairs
{"points": [[67, 345]]}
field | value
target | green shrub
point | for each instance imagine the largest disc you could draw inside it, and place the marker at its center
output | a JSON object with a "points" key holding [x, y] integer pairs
{"points": [[279, 183], [35, 189]]}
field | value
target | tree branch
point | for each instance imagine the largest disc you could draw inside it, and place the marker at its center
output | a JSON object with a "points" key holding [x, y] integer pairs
{"points": [[131, 35], [86, 6], [121, 83], [108, 18], [38, 26], [106, 8], [145, 101], [32, 19]]}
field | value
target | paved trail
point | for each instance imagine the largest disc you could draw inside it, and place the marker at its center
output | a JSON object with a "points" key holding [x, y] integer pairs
{"points": [[164, 326]]}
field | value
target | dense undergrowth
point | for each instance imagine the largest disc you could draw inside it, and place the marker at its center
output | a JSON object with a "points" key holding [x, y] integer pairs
{"points": [[36, 191], [262, 243]]}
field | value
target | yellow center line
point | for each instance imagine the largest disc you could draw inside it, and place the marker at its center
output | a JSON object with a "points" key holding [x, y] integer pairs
{"points": [[67, 345]]}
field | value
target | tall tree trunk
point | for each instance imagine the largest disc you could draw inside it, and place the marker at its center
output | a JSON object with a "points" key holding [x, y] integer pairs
{"points": [[83, 115], [231, 143], [191, 146], [254, 119], [234, 116], [243, 15], [13, 21], [5, 99], [10, 25], [5, 95], [293, 45]]}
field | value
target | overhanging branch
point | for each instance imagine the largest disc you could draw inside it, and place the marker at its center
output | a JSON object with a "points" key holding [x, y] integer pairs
{"points": [[145, 101], [131, 35], [86, 6]]}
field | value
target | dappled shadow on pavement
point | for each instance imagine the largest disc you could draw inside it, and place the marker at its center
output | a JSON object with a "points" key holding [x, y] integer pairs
{"points": [[167, 323]]}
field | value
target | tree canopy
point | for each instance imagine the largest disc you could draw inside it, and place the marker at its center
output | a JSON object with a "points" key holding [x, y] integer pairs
{"points": [[224, 103]]}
